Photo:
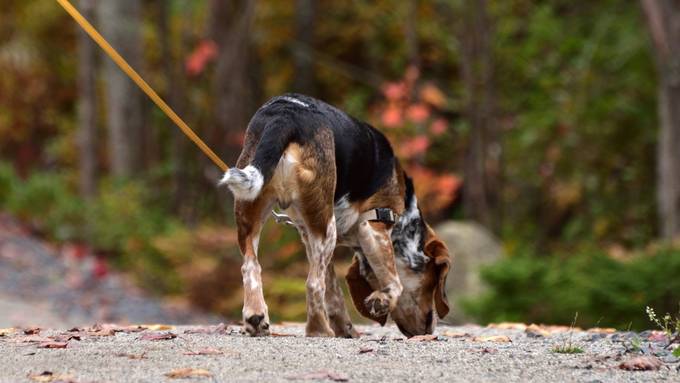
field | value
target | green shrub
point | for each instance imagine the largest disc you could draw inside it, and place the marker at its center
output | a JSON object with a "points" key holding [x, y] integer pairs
{"points": [[602, 290]]}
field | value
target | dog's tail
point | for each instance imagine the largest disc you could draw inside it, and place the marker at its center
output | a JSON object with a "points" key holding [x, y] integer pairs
{"points": [[247, 183]]}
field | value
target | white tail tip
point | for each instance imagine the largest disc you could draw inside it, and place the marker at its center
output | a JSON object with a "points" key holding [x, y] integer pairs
{"points": [[245, 183]]}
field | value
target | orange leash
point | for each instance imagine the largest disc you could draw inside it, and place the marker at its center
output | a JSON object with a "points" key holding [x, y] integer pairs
{"points": [[120, 61]]}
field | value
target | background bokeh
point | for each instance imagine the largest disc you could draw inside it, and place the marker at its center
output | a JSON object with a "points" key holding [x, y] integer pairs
{"points": [[539, 120]]}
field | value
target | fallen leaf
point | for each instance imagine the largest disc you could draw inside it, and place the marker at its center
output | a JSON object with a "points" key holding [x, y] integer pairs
{"points": [[159, 336], [64, 337], [205, 351], [53, 345], [182, 373], [642, 363], [455, 334], [536, 331], [602, 330], [365, 349], [157, 327], [508, 326], [217, 329], [658, 336], [320, 375], [280, 334], [492, 338], [33, 339], [423, 338], [107, 332], [132, 356], [32, 330], [49, 376], [6, 331]]}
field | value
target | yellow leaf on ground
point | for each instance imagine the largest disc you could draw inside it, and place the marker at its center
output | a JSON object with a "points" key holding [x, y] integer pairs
{"points": [[455, 334], [536, 331], [601, 330], [508, 326], [492, 338], [6, 331], [182, 373], [158, 327], [49, 376]]}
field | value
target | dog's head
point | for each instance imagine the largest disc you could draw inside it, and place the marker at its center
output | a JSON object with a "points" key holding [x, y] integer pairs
{"points": [[422, 261]]}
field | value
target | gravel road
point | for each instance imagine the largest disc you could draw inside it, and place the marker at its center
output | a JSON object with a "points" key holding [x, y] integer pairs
{"points": [[459, 354]]}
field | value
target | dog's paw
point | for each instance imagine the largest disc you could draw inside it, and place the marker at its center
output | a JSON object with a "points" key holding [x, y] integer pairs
{"points": [[378, 303], [256, 325]]}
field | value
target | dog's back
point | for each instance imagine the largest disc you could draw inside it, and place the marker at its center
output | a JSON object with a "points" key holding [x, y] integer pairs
{"points": [[364, 159]]}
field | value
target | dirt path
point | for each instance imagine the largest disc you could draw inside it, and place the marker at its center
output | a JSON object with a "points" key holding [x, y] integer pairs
{"points": [[459, 354]]}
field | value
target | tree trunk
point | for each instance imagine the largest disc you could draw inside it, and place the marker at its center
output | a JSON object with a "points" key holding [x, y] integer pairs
{"points": [[120, 21], [87, 107], [303, 53], [663, 20], [175, 86], [235, 86], [481, 186]]}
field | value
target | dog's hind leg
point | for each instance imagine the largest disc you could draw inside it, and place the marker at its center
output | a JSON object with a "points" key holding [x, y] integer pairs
{"points": [[250, 215], [335, 307]]}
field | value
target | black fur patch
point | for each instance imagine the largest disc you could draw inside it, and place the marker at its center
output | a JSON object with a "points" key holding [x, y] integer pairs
{"points": [[364, 158]]}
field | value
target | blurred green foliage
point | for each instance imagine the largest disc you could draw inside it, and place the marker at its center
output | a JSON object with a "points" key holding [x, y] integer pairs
{"points": [[604, 291], [576, 91]]}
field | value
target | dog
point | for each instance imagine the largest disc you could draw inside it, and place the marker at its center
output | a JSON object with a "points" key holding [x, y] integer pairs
{"points": [[338, 182]]}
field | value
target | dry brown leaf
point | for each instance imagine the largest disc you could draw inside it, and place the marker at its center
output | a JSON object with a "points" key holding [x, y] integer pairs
{"points": [[49, 376], [455, 334], [158, 336], [508, 326], [183, 373], [365, 349], [64, 337], [33, 339], [205, 351], [53, 345], [320, 375], [642, 363], [107, 332], [492, 338], [280, 334], [423, 338]]}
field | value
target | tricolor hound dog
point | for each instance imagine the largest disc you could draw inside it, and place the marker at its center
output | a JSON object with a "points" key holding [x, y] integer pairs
{"points": [[339, 184]]}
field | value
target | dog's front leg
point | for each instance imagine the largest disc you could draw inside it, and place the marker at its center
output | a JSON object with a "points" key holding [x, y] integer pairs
{"points": [[335, 306], [376, 245]]}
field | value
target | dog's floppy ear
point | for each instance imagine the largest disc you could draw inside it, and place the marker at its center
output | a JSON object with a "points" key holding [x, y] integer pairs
{"points": [[442, 263], [360, 289]]}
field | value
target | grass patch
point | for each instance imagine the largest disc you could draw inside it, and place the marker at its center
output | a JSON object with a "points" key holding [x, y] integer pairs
{"points": [[568, 347]]}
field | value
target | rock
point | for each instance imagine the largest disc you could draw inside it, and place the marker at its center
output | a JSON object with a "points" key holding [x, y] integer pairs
{"points": [[472, 247]]}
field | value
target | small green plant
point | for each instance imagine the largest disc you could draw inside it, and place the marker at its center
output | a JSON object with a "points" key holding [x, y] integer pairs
{"points": [[568, 347], [667, 324]]}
